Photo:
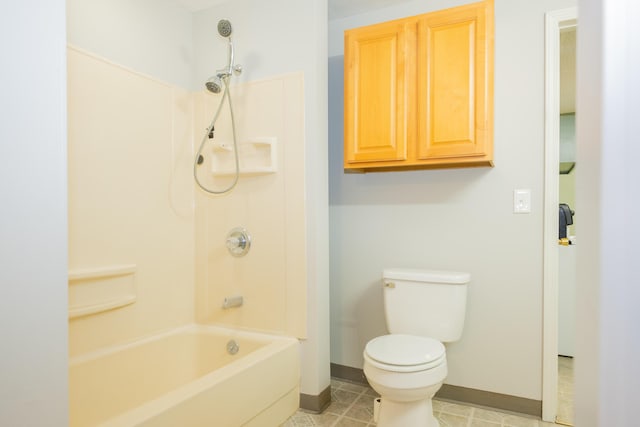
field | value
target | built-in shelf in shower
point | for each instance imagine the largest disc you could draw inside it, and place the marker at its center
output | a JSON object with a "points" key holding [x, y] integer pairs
{"points": [[257, 156], [96, 290]]}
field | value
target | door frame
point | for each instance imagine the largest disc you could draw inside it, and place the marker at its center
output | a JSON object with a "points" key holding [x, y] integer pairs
{"points": [[555, 21]]}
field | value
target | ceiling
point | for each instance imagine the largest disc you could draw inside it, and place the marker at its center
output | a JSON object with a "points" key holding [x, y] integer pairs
{"points": [[337, 8]]}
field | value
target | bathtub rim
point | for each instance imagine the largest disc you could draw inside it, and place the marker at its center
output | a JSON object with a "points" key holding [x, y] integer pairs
{"points": [[262, 337], [147, 410]]}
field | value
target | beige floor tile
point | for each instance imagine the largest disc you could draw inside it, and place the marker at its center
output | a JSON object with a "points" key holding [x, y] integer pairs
{"points": [[365, 400], [356, 388], [514, 421], [371, 392], [350, 422], [301, 419], [362, 413], [487, 415], [344, 396], [452, 420], [337, 408], [452, 408], [565, 390], [474, 422]]}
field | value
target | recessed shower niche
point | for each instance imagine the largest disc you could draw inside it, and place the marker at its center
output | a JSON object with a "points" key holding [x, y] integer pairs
{"points": [[257, 156]]}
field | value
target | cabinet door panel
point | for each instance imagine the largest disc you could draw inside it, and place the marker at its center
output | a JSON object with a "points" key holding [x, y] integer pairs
{"points": [[375, 93], [453, 84]]}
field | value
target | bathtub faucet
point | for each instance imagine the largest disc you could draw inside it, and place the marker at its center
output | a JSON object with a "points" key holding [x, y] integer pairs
{"points": [[232, 301]]}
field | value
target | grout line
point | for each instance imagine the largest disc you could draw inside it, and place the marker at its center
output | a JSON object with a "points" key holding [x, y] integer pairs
{"points": [[340, 417]]}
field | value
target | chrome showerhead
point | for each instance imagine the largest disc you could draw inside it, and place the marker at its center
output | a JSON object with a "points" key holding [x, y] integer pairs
{"points": [[213, 85], [224, 28]]}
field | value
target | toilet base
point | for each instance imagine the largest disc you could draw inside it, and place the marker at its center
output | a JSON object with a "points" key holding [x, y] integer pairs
{"points": [[417, 413]]}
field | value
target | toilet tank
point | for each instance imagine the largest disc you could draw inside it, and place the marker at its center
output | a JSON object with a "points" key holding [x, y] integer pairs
{"points": [[425, 302]]}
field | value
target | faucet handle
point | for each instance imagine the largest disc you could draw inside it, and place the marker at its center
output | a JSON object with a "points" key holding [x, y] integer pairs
{"points": [[238, 242]]}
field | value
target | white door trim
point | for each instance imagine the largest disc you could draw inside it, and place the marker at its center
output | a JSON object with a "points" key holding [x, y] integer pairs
{"points": [[554, 22]]}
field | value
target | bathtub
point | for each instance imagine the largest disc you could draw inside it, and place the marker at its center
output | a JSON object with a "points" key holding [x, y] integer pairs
{"points": [[186, 377]]}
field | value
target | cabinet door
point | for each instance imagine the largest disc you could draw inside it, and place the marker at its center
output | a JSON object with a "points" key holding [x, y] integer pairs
{"points": [[455, 84], [376, 93]]}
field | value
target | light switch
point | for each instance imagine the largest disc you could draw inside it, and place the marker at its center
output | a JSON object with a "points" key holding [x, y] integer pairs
{"points": [[522, 200]]}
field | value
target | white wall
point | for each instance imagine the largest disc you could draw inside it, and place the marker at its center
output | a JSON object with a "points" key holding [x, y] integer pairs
{"points": [[153, 37], [608, 348], [33, 217], [272, 38], [458, 219]]}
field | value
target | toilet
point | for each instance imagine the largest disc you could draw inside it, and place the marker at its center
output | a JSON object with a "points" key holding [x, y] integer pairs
{"points": [[423, 309]]}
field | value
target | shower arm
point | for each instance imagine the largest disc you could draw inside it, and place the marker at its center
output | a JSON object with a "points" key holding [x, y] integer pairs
{"points": [[231, 67]]}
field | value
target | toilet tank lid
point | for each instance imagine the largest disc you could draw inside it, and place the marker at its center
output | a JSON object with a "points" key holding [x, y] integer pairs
{"points": [[430, 276]]}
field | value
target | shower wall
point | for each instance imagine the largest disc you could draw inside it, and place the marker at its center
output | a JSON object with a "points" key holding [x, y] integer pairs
{"points": [[282, 46], [130, 202], [277, 38], [272, 275]]}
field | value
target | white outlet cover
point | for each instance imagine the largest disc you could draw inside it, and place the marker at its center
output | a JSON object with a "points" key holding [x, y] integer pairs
{"points": [[522, 200]]}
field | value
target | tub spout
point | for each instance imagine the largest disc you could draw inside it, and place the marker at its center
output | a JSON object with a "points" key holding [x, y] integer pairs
{"points": [[232, 302]]}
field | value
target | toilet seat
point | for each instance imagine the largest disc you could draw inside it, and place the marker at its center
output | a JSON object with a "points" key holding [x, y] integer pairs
{"points": [[404, 353]]}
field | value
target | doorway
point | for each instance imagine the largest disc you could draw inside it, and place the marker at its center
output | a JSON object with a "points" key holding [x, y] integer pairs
{"points": [[556, 22]]}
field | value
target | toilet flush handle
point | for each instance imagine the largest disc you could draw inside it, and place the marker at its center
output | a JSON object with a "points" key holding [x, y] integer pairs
{"points": [[389, 285]]}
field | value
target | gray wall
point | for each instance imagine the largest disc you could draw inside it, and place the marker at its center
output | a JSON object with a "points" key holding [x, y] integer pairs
{"points": [[457, 219], [152, 37], [33, 217], [607, 345]]}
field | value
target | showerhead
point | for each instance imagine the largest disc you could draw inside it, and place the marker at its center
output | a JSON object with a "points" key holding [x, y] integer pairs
{"points": [[213, 85], [224, 28]]}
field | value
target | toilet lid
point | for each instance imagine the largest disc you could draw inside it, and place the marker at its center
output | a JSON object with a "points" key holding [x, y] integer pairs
{"points": [[405, 350]]}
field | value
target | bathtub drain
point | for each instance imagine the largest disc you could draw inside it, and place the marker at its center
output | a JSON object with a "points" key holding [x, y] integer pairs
{"points": [[232, 347]]}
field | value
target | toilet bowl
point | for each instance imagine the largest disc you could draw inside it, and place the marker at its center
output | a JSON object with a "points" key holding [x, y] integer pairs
{"points": [[423, 310], [406, 371]]}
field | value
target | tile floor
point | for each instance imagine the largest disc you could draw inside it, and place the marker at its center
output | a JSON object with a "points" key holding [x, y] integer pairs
{"points": [[565, 390], [352, 406]]}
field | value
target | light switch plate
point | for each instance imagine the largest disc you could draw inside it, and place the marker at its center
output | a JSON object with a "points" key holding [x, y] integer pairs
{"points": [[522, 200]]}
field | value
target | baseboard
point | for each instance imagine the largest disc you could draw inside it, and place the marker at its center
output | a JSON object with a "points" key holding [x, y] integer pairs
{"points": [[471, 396], [316, 403], [348, 373], [489, 399]]}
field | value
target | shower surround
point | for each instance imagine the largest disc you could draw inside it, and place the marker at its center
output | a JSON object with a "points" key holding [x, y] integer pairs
{"points": [[132, 203], [147, 249], [270, 206]]}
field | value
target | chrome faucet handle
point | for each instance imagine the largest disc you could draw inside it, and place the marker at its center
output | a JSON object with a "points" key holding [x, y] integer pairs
{"points": [[238, 242]]}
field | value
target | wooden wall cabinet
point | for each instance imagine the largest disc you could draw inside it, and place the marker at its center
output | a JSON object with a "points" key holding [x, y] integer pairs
{"points": [[419, 91]]}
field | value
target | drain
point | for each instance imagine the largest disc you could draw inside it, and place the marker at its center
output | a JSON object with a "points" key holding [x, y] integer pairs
{"points": [[232, 347]]}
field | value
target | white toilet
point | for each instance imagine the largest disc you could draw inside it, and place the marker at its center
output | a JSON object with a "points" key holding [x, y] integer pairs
{"points": [[423, 309]]}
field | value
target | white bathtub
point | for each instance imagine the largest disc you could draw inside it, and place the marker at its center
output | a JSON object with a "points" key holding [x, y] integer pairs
{"points": [[186, 377]]}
